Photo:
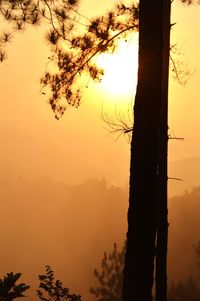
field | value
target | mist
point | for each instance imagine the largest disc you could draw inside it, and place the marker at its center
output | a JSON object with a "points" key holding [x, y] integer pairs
{"points": [[46, 222], [67, 227]]}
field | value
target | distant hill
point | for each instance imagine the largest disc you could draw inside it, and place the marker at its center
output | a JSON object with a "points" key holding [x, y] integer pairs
{"points": [[69, 227], [184, 233], [188, 170], [44, 221]]}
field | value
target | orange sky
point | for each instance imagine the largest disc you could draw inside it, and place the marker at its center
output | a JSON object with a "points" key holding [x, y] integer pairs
{"points": [[78, 146], [35, 145]]}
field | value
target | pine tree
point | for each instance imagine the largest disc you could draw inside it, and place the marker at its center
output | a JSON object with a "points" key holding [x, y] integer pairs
{"points": [[148, 172]]}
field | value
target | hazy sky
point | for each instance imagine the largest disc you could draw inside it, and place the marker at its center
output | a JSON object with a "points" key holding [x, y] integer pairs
{"points": [[33, 143]]}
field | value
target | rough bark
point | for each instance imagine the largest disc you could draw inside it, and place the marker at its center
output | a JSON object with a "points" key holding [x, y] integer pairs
{"points": [[142, 223], [162, 231]]}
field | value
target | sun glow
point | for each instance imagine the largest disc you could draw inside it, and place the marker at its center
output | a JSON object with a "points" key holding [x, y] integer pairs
{"points": [[120, 69]]}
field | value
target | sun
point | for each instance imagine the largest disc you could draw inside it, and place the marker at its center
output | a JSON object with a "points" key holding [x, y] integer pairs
{"points": [[120, 69]]}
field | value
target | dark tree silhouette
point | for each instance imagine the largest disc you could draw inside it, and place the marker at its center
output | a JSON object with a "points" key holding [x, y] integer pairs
{"points": [[143, 199], [53, 290], [162, 174], [9, 290]]}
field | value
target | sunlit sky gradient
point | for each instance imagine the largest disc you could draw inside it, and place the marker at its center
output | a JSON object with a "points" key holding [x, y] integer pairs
{"points": [[78, 146]]}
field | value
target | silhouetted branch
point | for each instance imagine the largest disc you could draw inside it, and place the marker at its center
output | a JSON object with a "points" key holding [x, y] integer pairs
{"points": [[120, 124], [179, 68], [53, 290], [72, 53], [176, 179], [175, 138]]}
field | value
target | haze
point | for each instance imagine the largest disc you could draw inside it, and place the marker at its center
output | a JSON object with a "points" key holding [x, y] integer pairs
{"points": [[63, 189]]}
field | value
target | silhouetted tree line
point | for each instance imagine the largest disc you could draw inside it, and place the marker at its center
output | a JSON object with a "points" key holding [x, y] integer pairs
{"points": [[110, 280]]}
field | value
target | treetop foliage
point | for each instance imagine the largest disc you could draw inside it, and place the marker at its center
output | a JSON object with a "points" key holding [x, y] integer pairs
{"points": [[75, 41], [9, 290], [111, 276], [21, 13], [78, 57], [49, 288], [53, 290], [72, 53]]}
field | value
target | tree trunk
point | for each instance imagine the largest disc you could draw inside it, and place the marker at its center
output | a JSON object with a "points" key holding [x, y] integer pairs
{"points": [[162, 231], [142, 223]]}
